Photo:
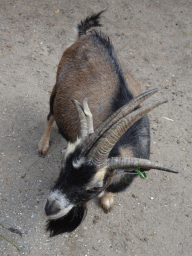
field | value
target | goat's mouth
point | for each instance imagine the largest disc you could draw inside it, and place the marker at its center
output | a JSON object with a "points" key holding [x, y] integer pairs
{"points": [[59, 213], [57, 207], [66, 223]]}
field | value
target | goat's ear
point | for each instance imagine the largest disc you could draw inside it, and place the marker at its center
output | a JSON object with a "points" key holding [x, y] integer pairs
{"points": [[97, 180]]}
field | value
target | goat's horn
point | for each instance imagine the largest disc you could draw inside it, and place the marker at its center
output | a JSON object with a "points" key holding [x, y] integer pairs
{"points": [[89, 116], [100, 153], [82, 118], [119, 114], [131, 162]]}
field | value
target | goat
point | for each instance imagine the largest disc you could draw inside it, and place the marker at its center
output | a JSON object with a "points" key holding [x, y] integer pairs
{"points": [[101, 162]]}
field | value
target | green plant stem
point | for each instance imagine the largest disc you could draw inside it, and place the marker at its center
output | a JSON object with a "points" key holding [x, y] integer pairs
{"points": [[11, 242]]}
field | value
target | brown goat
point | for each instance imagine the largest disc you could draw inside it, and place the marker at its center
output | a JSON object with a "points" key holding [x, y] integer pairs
{"points": [[89, 82], [102, 163]]}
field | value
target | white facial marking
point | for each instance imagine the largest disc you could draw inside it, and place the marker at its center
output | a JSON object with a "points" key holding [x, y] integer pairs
{"points": [[62, 202], [71, 147], [97, 180], [78, 163]]}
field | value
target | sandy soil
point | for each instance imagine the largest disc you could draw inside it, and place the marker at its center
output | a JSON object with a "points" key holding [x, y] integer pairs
{"points": [[154, 41]]}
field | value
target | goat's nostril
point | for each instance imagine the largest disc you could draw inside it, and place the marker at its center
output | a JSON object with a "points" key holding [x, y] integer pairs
{"points": [[47, 208], [51, 208]]}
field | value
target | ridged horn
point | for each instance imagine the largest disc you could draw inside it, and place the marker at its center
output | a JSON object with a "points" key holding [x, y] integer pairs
{"points": [[119, 114], [82, 119], [131, 162], [89, 116], [99, 154]]}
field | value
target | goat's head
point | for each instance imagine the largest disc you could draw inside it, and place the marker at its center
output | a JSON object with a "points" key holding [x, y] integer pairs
{"points": [[86, 169]]}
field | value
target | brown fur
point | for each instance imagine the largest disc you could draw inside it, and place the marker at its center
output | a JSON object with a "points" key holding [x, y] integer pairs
{"points": [[84, 80], [77, 79], [44, 142], [133, 84]]}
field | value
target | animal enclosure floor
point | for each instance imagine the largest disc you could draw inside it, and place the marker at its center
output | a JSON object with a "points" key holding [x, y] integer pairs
{"points": [[154, 41]]}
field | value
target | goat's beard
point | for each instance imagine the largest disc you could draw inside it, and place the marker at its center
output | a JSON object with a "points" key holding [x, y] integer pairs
{"points": [[67, 223]]}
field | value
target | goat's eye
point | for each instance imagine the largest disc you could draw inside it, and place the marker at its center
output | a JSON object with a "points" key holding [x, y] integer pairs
{"points": [[93, 190]]}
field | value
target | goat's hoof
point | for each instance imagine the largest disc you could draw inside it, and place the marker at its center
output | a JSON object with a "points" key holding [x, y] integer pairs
{"points": [[43, 147], [107, 201]]}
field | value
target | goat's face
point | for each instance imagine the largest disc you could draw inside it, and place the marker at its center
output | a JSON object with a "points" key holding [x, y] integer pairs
{"points": [[78, 182], [86, 170]]}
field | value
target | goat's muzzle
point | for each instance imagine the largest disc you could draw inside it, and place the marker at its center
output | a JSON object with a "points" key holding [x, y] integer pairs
{"points": [[51, 208], [67, 223]]}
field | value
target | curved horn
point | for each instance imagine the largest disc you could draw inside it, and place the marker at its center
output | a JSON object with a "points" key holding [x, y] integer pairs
{"points": [[82, 118], [89, 116], [100, 153], [119, 114], [131, 162]]}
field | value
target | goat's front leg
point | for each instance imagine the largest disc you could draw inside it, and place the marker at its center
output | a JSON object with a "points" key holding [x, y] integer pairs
{"points": [[43, 145], [107, 201]]}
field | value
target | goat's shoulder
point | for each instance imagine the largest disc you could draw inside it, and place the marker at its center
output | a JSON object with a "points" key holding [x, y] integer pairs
{"points": [[132, 83]]}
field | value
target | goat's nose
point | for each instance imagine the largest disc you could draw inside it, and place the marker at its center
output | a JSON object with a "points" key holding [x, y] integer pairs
{"points": [[51, 208]]}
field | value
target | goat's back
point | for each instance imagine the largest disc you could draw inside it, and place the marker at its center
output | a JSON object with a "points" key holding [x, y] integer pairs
{"points": [[89, 69]]}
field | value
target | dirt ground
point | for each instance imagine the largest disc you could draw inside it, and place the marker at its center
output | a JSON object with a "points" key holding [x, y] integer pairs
{"points": [[154, 41]]}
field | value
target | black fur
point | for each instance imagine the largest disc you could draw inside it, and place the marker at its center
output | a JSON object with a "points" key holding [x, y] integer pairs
{"points": [[125, 181], [70, 176], [89, 22], [67, 223], [72, 181]]}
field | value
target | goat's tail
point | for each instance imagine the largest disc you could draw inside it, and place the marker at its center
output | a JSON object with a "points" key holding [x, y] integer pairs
{"points": [[89, 22]]}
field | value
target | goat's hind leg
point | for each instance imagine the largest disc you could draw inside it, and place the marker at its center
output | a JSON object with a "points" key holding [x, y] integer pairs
{"points": [[107, 201], [43, 145]]}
